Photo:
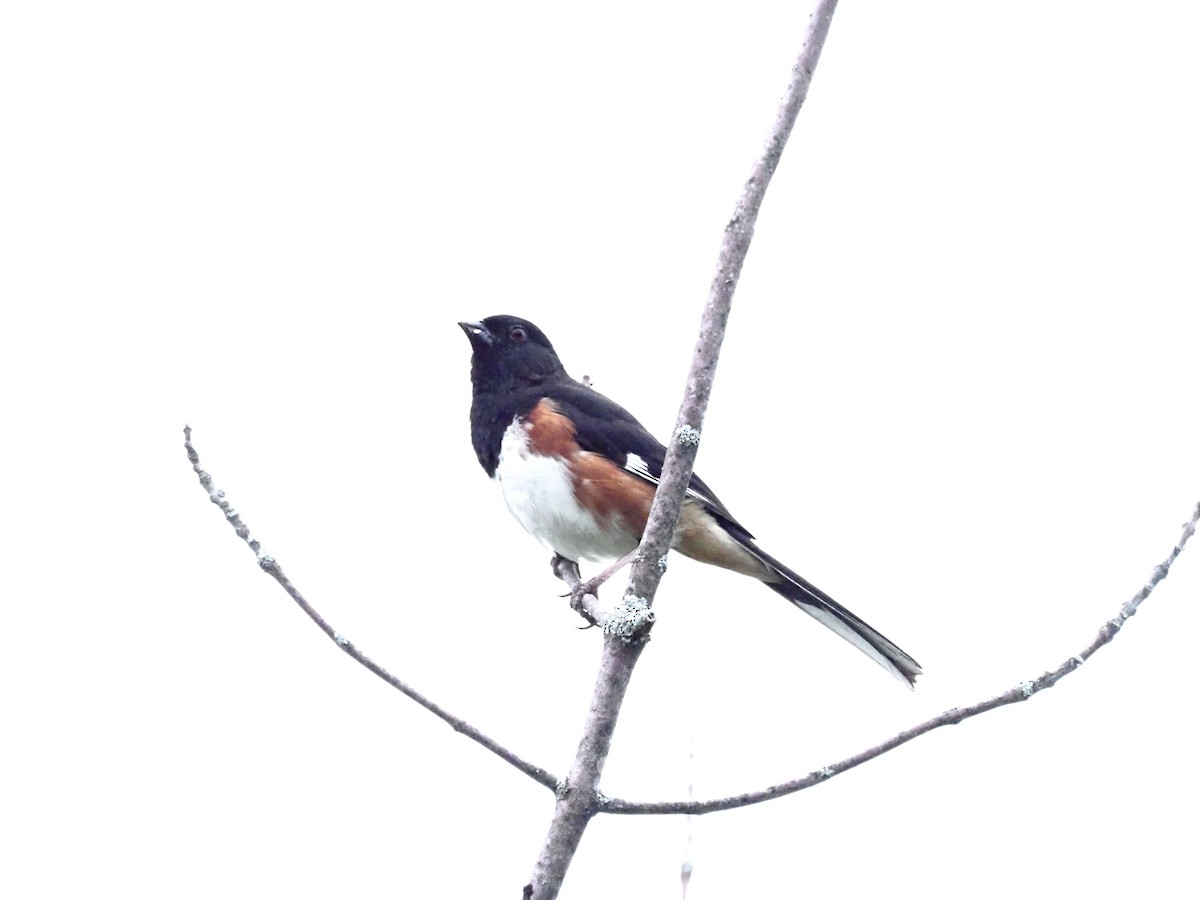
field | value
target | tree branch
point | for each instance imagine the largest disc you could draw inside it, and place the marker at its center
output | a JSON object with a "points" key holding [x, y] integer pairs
{"points": [[580, 797], [1018, 694], [648, 569], [268, 564]]}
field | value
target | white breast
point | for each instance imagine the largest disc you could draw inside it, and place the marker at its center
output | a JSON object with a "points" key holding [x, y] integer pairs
{"points": [[539, 493]]}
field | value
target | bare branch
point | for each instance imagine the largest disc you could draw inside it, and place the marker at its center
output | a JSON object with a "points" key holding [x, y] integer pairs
{"points": [[268, 564], [685, 441], [1017, 694], [580, 798]]}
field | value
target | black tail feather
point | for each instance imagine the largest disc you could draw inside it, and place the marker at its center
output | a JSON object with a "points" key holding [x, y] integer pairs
{"points": [[837, 618]]}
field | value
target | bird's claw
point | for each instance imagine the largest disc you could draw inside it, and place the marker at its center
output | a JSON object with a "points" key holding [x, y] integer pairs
{"points": [[577, 594], [578, 606], [568, 571]]}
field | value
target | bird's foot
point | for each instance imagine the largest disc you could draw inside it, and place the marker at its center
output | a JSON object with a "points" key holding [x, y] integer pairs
{"points": [[568, 570], [585, 594]]}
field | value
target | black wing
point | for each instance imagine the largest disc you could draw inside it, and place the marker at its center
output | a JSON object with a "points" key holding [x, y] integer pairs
{"points": [[605, 427]]}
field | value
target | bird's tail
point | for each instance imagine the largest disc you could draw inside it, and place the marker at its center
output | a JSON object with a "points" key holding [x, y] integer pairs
{"points": [[837, 618]]}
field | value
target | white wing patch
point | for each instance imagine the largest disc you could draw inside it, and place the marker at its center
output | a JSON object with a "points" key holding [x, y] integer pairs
{"points": [[637, 465]]}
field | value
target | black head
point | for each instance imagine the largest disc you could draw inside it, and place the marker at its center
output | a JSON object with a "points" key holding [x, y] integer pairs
{"points": [[508, 353]]}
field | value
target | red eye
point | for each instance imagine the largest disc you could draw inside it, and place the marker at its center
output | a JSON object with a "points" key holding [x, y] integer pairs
{"points": [[517, 334]]}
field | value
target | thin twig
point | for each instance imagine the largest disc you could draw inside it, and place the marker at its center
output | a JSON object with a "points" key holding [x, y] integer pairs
{"points": [[269, 565], [580, 798], [1017, 694]]}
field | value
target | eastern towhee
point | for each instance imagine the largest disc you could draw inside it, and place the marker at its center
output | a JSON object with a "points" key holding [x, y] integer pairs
{"points": [[579, 473]]}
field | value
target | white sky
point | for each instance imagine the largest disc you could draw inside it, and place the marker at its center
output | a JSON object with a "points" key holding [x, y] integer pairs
{"points": [[958, 393]]}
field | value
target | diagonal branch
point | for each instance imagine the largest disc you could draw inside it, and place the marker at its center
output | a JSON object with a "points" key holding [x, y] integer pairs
{"points": [[1017, 694], [268, 564], [735, 244], [579, 798]]}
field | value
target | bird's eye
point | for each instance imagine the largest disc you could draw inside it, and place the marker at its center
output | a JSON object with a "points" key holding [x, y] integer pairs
{"points": [[517, 334]]}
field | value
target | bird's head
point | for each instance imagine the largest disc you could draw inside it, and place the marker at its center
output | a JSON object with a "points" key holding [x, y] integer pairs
{"points": [[508, 352]]}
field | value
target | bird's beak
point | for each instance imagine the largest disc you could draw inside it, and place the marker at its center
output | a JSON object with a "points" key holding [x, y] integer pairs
{"points": [[477, 334]]}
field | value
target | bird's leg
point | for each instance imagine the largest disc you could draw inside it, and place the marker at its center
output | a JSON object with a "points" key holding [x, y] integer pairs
{"points": [[593, 584], [568, 571]]}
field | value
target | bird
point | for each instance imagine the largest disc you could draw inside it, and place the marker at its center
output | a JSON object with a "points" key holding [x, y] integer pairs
{"points": [[579, 472]]}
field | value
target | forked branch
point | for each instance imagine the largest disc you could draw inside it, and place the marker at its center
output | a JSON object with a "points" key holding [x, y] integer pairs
{"points": [[580, 798], [618, 806]]}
